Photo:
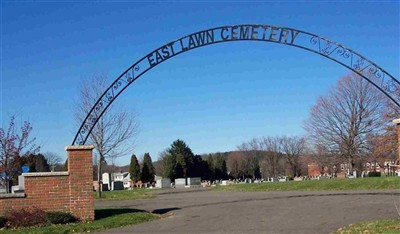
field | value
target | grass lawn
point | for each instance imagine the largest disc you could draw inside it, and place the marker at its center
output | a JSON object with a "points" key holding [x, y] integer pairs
{"points": [[380, 226], [319, 185], [125, 194], [105, 218]]}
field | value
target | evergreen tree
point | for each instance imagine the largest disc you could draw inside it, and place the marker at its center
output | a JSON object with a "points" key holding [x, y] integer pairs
{"points": [[134, 169], [220, 167], [211, 168], [179, 173], [168, 165], [148, 171], [183, 156]]}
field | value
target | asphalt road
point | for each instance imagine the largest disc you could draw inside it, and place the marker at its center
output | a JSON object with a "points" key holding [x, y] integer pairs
{"points": [[204, 211]]}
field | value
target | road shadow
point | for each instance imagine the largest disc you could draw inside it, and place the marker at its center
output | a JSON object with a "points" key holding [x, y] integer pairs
{"points": [[108, 212], [164, 210]]}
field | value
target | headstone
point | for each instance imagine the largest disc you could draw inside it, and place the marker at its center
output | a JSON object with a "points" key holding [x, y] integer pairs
{"points": [[274, 179], [180, 183], [282, 179], [163, 182], [104, 187], [194, 181], [224, 182], [106, 178], [117, 185]]}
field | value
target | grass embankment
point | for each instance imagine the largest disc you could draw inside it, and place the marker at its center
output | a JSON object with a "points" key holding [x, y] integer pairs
{"points": [[380, 226], [105, 218], [379, 183], [125, 195]]}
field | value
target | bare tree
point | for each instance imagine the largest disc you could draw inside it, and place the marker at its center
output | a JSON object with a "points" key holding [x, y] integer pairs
{"points": [[384, 146], [293, 147], [14, 146], [342, 120], [273, 155], [326, 161], [113, 134], [53, 159]]}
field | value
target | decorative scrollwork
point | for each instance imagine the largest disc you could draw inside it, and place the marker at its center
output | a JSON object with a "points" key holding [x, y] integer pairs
{"points": [[343, 52], [129, 77], [359, 64], [376, 72], [327, 48], [109, 96], [314, 40], [117, 84]]}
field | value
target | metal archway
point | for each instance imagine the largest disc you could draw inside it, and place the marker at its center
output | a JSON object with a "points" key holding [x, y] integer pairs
{"points": [[370, 71]]}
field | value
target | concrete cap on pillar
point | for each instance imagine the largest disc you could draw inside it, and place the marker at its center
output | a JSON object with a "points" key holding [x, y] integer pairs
{"points": [[396, 121], [79, 147]]}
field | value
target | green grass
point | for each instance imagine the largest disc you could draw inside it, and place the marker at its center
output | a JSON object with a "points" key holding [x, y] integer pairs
{"points": [[319, 185], [380, 226], [125, 195], [105, 218]]}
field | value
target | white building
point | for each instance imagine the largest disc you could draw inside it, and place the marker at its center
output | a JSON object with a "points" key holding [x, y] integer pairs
{"points": [[116, 181]]}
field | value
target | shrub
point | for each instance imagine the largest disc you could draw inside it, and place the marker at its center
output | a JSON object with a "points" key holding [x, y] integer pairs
{"points": [[3, 221], [57, 217], [374, 174], [26, 217]]}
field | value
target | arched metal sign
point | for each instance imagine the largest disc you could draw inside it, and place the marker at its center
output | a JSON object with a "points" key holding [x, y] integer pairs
{"points": [[370, 71]]}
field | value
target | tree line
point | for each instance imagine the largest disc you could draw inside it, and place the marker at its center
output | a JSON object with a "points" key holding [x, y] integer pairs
{"points": [[178, 161], [351, 124]]}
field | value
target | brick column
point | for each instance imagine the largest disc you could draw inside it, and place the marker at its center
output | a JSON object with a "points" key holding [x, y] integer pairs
{"points": [[80, 168]]}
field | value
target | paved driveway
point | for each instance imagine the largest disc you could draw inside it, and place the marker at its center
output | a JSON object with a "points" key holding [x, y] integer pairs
{"points": [[205, 211]]}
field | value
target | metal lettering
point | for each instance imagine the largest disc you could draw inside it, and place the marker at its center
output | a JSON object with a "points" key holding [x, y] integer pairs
{"points": [[264, 31], [191, 42], [223, 36], [151, 60], [200, 38], [273, 33], [172, 48], [234, 33], [254, 32], [183, 48], [244, 32], [165, 51], [210, 36], [284, 35], [294, 35], [159, 55]]}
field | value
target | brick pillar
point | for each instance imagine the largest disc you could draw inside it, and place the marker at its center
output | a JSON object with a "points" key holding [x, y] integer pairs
{"points": [[80, 168]]}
